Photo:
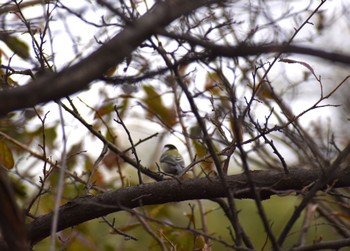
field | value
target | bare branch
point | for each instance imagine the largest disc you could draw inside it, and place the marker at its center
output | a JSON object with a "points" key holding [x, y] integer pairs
{"points": [[113, 52], [267, 183]]}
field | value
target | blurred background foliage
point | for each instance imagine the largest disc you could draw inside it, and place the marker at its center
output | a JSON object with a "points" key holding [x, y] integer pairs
{"points": [[37, 36]]}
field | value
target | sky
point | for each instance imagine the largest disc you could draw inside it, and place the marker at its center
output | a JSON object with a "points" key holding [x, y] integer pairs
{"points": [[69, 36]]}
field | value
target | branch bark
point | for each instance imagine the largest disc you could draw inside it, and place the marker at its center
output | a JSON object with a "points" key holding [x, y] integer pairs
{"points": [[268, 182], [54, 86], [243, 50]]}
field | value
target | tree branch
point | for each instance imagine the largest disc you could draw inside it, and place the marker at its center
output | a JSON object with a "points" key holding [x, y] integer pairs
{"points": [[243, 50], [268, 182], [54, 86]]}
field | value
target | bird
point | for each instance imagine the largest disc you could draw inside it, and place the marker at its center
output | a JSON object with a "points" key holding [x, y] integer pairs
{"points": [[171, 161]]}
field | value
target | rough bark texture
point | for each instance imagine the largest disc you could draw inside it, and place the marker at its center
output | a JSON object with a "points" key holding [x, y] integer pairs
{"points": [[267, 182]]}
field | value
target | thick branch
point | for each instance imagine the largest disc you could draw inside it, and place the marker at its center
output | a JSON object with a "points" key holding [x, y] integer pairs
{"points": [[215, 50], [243, 51], [54, 86], [267, 183], [73, 79]]}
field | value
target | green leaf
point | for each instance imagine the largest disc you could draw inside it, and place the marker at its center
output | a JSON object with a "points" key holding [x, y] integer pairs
{"points": [[16, 45]]}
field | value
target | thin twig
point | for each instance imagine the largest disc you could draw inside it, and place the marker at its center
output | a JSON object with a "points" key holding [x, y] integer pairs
{"points": [[133, 148], [94, 168], [111, 146], [116, 230]]}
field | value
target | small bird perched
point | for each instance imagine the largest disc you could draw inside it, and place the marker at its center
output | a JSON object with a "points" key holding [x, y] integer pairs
{"points": [[171, 160]]}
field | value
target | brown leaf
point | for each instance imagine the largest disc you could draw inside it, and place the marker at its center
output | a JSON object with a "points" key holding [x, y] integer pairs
{"points": [[156, 107], [291, 61]]}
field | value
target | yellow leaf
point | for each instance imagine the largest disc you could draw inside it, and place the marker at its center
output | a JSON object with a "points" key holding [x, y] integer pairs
{"points": [[201, 152], [129, 227], [154, 211], [6, 157], [264, 91], [6, 81], [199, 243]]}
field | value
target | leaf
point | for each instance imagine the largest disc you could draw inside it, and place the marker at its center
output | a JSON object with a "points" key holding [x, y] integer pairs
{"points": [[129, 227], [211, 83], [201, 152], [156, 210], [182, 69], [6, 81], [16, 45], [6, 157], [104, 110], [264, 91], [199, 243], [291, 61], [111, 160], [195, 132], [98, 178], [72, 155], [123, 107], [51, 135], [156, 107], [110, 71]]}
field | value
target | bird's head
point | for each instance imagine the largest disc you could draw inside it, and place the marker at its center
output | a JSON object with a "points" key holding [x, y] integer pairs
{"points": [[169, 147]]}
